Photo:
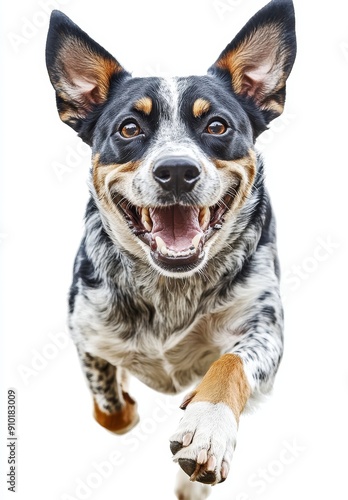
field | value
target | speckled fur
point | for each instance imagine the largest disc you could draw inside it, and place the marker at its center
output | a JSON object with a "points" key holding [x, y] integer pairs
{"points": [[166, 320], [167, 331]]}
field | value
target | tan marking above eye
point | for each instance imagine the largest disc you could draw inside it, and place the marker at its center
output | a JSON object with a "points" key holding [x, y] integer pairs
{"points": [[216, 128], [200, 106], [144, 105], [130, 130]]}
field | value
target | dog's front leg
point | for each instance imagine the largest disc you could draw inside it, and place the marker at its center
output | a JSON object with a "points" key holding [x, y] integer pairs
{"points": [[114, 409], [206, 438]]}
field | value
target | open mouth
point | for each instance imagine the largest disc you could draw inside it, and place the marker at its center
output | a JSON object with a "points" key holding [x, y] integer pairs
{"points": [[176, 234]]}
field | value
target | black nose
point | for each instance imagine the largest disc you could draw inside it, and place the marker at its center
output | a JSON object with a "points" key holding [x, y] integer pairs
{"points": [[176, 173]]}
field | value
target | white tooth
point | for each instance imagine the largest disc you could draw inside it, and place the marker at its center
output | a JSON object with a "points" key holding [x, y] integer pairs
{"points": [[160, 243], [164, 250], [204, 216], [202, 213], [161, 246], [145, 219], [196, 240], [171, 253], [146, 225]]}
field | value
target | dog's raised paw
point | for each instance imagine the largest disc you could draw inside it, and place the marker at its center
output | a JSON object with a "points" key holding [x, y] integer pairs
{"points": [[204, 443]]}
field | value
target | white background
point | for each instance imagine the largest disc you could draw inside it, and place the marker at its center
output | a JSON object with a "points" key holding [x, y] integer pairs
{"points": [[59, 444]]}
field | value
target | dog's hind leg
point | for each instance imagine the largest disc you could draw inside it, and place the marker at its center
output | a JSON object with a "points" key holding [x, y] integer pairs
{"points": [[114, 409]]}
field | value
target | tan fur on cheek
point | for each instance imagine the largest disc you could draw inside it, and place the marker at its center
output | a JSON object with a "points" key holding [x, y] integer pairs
{"points": [[99, 174], [243, 169], [105, 176], [113, 183], [224, 382]]}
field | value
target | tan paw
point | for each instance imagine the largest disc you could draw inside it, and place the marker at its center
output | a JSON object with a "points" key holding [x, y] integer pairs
{"points": [[121, 421]]}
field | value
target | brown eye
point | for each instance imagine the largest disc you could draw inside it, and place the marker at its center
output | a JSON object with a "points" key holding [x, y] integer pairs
{"points": [[216, 128], [130, 130]]}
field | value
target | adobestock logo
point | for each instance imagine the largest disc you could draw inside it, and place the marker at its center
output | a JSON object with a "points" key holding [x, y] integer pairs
{"points": [[99, 472], [294, 277], [266, 475], [74, 157], [223, 7], [42, 357], [31, 26], [276, 127], [344, 50], [3, 237]]}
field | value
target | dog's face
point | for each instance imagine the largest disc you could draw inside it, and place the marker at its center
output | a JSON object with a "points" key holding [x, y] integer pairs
{"points": [[172, 162], [173, 159]]}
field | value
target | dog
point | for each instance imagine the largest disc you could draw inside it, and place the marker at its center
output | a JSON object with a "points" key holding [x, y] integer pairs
{"points": [[176, 280]]}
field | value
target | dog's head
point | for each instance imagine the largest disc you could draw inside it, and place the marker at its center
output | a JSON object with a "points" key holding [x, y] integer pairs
{"points": [[173, 159]]}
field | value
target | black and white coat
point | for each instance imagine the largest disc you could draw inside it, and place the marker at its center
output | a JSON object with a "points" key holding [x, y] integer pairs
{"points": [[176, 316]]}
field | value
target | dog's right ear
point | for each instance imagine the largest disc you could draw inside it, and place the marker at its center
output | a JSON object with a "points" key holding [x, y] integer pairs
{"points": [[80, 70]]}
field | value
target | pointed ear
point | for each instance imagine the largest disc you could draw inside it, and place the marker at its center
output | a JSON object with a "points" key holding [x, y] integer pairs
{"points": [[80, 70], [260, 57]]}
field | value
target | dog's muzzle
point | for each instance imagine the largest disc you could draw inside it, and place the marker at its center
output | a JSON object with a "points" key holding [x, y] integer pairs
{"points": [[177, 228]]}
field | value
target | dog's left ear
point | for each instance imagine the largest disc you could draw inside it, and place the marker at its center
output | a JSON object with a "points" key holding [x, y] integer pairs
{"points": [[80, 69], [259, 59]]}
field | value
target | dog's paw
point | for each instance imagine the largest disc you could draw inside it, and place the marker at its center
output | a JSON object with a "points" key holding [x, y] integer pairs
{"points": [[205, 441], [119, 422]]}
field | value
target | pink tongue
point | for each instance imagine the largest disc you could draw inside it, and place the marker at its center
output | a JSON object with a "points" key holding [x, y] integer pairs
{"points": [[176, 225]]}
